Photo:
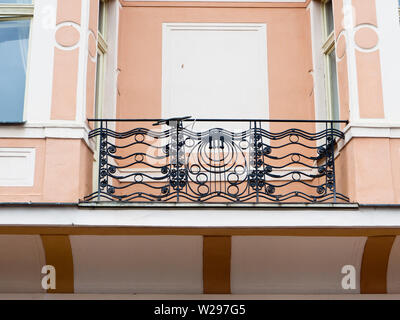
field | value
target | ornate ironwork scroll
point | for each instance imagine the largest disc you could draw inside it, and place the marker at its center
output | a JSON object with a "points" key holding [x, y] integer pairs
{"points": [[173, 163]]}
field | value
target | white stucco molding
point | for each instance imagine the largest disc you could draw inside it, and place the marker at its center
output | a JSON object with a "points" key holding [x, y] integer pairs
{"points": [[17, 167], [373, 128], [195, 215], [56, 129]]}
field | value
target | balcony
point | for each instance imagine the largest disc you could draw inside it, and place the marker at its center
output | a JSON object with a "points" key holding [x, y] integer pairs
{"points": [[184, 160]]}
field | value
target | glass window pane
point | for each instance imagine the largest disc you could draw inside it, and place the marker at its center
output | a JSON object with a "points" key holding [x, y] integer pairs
{"points": [[102, 16], [333, 86], [16, 1], [14, 38], [329, 17]]}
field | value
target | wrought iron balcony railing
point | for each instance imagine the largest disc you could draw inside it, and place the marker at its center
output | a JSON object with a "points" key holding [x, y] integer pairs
{"points": [[223, 161]]}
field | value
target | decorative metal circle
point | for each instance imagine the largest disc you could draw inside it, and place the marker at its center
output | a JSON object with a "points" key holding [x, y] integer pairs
{"points": [[194, 169], [111, 149], [321, 170], [233, 178], [244, 144], [164, 170], [164, 190], [201, 178], [268, 169], [296, 176], [233, 190], [103, 183], [182, 174], [294, 138], [110, 190], [239, 170], [138, 178], [295, 158], [139, 138], [139, 158], [189, 142], [321, 190], [203, 189], [270, 189], [267, 150]]}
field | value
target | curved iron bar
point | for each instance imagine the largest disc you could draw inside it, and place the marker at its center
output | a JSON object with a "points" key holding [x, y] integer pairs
{"points": [[216, 165]]}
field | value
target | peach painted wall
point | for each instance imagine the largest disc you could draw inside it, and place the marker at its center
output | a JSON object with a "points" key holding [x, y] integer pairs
{"points": [[65, 178], [367, 170], [66, 60], [62, 171], [368, 62], [289, 56]]}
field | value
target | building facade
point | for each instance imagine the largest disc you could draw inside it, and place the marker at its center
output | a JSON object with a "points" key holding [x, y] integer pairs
{"points": [[200, 147]]}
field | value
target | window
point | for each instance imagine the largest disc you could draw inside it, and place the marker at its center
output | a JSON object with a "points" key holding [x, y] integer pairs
{"points": [[331, 82], [15, 22], [101, 58], [399, 9], [100, 78]]}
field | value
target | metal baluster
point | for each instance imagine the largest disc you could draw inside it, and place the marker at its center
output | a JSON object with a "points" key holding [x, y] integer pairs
{"points": [[249, 160], [177, 161], [256, 160], [332, 154], [99, 160], [326, 160], [108, 189]]}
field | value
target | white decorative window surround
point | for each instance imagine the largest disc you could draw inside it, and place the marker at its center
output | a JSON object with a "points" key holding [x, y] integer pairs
{"points": [[17, 167]]}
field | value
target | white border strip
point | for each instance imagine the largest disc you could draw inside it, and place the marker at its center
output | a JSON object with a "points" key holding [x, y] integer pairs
{"points": [[200, 217]]}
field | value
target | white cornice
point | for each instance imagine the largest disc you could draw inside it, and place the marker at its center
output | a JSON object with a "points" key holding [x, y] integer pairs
{"points": [[370, 129], [57, 129], [201, 216]]}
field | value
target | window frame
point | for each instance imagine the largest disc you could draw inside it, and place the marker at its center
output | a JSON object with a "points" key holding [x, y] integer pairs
{"points": [[398, 9], [15, 11], [101, 60], [328, 46], [101, 67]]}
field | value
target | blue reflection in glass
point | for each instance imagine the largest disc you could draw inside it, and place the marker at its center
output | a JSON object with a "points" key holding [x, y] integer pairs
{"points": [[14, 38], [16, 1]]}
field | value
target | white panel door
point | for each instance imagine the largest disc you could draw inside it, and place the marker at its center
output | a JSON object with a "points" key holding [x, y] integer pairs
{"points": [[215, 70]]}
